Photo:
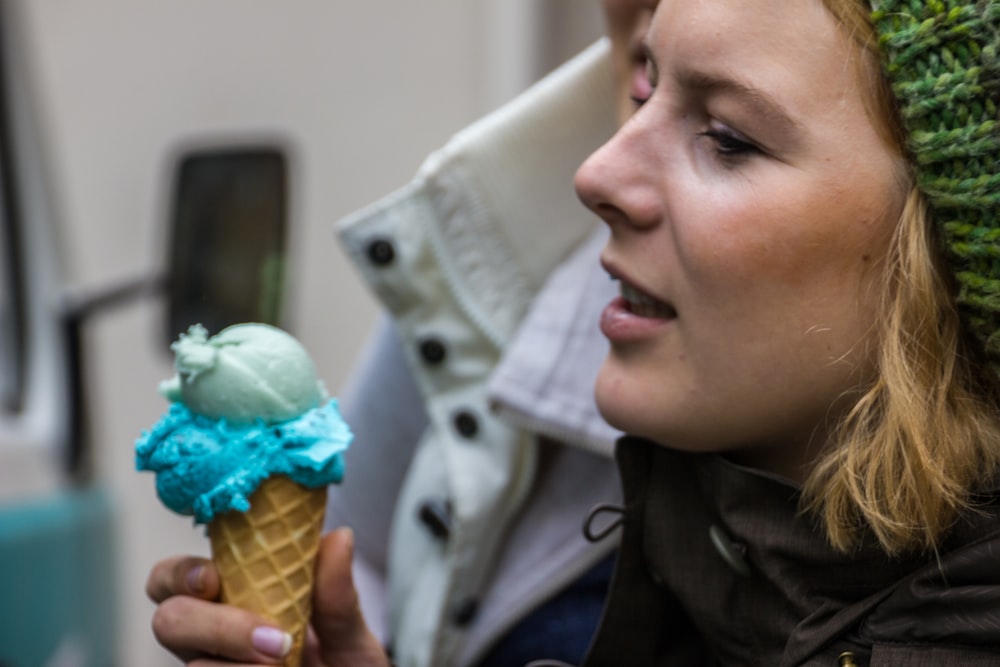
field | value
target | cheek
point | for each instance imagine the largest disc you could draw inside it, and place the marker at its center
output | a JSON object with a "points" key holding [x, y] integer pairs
{"points": [[788, 237], [619, 15], [619, 20]]}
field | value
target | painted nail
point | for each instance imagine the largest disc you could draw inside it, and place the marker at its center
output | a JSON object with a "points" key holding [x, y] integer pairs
{"points": [[196, 579], [271, 641]]}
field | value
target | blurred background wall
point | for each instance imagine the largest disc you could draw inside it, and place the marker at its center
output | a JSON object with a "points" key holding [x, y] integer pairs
{"points": [[360, 91]]}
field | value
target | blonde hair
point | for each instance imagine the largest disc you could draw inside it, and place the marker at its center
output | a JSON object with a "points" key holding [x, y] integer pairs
{"points": [[918, 444]]}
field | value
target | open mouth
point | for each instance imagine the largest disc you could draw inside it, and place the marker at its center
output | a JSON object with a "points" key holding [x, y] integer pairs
{"points": [[643, 305]]}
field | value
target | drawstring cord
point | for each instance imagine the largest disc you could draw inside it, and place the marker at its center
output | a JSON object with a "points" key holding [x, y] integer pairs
{"points": [[605, 508]]}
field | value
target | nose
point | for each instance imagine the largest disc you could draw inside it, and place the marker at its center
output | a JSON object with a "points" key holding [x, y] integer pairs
{"points": [[618, 181]]}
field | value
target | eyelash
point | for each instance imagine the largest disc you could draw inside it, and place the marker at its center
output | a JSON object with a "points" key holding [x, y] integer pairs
{"points": [[728, 145]]}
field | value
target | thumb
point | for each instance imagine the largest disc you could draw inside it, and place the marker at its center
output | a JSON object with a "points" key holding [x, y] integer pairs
{"points": [[344, 637]]}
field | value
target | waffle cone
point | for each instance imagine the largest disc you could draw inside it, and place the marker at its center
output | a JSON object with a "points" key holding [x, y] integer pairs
{"points": [[266, 556]]}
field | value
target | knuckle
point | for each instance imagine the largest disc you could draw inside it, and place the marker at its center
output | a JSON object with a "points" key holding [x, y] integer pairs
{"points": [[160, 584], [169, 618], [172, 577], [154, 587]]}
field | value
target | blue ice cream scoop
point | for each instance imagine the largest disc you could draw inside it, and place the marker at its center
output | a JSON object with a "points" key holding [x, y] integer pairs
{"points": [[246, 405]]}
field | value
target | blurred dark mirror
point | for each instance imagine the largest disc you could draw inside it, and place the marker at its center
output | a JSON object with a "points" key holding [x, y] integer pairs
{"points": [[228, 228]]}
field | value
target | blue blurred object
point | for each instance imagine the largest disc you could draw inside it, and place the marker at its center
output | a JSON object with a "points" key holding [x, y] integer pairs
{"points": [[561, 629], [57, 591]]}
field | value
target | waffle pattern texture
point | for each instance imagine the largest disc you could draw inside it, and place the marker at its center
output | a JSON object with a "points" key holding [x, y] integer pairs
{"points": [[941, 57], [266, 555]]}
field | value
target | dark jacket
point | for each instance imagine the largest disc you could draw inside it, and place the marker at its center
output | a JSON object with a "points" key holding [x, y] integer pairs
{"points": [[718, 566]]}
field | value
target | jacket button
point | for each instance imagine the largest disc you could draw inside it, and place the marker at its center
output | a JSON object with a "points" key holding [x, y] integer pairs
{"points": [[433, 351], [846, 659], [734, 554], [435, 513], [466, 424], [465, 612], [381, 252]]}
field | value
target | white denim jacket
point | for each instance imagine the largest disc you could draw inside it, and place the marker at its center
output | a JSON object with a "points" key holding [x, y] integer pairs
{"points": [[466, 515]]}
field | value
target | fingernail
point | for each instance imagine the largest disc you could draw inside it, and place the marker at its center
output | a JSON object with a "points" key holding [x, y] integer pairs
{"points": [[271, 641], [196, 579]]}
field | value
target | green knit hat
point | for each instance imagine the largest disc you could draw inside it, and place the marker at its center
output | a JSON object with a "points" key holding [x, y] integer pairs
{"points": [[942, 59]]}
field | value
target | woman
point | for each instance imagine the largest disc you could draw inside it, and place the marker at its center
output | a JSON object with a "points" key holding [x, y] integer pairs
{"points": [[802, 217], [807, 322]]}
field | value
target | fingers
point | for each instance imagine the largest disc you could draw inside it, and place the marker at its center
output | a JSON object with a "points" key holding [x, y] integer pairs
{"points": [[344, 638], [190, 624], [183, 575], [191, 628]]}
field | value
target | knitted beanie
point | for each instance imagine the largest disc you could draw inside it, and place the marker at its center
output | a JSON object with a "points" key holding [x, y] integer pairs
{"points": [[941, 57]]}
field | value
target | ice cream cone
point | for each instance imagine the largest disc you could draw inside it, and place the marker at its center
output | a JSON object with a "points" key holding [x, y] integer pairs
{"points": [[248, 447], [266, 556]]}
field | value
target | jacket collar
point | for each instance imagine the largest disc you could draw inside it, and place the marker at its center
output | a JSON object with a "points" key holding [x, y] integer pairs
{"points": [[821, 593], [544, 381]]}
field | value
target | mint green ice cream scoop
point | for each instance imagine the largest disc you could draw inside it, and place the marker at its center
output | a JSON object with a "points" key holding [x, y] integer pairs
{"points": [[246, 372]]}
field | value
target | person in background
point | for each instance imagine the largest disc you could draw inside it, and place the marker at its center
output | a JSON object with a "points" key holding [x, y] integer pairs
{"points": [[479, 448]]}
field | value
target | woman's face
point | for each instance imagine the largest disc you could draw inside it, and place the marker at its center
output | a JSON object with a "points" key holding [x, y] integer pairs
{"points": [[626, 22], [751, 203]]}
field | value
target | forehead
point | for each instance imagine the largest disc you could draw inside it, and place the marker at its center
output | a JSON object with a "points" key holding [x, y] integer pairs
{"points": [[781, 32]]}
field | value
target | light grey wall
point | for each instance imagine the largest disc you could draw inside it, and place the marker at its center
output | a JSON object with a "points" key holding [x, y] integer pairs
{"points": [[361, 91]]}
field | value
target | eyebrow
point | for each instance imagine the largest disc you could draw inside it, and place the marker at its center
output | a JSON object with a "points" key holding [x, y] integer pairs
{"points": [[759, 102]]}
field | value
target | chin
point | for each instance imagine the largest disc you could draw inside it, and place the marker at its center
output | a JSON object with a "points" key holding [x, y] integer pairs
{"points": [[624, 402], [639, 404]]}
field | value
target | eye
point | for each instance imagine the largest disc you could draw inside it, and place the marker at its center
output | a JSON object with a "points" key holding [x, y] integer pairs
{"points": [[729, 144]]}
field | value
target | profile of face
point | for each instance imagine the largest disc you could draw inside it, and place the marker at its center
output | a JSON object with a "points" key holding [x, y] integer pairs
{"points": [[626, 22], [751, 202]]}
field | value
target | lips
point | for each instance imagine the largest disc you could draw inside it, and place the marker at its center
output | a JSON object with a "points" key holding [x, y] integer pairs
{"points": [[643, 305], [635, 315]]}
